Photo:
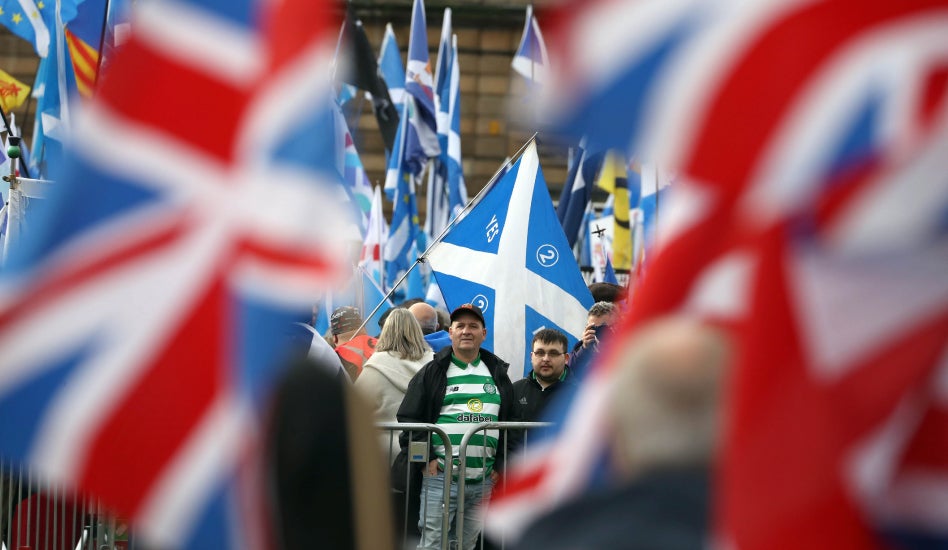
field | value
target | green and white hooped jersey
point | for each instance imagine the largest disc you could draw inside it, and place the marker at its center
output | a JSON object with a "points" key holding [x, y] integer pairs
{"points": [[471, 398]]}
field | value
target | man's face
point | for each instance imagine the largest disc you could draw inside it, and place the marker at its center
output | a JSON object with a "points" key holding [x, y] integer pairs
{"points": [[549, 361], [467, 333]]}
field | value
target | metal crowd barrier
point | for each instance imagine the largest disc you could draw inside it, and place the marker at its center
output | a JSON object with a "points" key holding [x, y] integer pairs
{"points": [[420, 454], [394, 427], [39, 516]]}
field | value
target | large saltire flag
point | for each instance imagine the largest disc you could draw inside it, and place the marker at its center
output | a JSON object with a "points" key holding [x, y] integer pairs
{"points": [[457, 189], [419, 90], [809, 222], [172, 289], [12, 92], [437, 201], [531, 60], [508, 255]]}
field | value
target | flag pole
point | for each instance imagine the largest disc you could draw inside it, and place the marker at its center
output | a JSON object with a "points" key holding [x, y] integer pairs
{"points": [[471, 204], [6, 124]]}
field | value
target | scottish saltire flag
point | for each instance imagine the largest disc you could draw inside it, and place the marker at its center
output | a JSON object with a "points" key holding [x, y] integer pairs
{"points": [[170, 292], [376, 233], [437, 201], [25, 19], [808, 220], [656, 192], [404, 229], [609, 274], [508, 256], [577, 192], [419, 90], [353, 173], [457, 189], [531, 59], [392, 68]]}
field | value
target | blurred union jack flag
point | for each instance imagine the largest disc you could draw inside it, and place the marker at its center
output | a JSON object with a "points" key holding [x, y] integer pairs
{"points": [[813, 139], [142, 325]]}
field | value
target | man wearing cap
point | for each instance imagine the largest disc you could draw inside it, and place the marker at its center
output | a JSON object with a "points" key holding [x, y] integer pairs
{"points": [[352, 344], [462, 386]]}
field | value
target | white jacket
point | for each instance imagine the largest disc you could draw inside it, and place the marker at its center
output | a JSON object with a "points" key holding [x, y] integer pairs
{"points": [[383, 382]]}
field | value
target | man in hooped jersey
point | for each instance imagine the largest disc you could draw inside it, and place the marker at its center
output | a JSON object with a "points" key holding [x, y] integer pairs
{"points": [[462, 386]]}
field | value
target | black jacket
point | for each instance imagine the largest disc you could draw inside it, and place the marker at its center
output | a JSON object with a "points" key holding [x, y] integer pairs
{"points": [[424, 399], [532, 399]]}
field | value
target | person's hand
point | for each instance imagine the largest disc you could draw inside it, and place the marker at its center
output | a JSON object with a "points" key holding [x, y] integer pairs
{"points": [[494, 477], [433, 467], [589, 336]]}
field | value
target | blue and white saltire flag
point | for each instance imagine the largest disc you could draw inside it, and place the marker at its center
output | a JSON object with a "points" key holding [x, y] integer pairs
{"points": [[577, 192], [419, 89], [656, 189], [508, 255], [609, 274], [392, 68], [403, 231], [531, 59], [25, 19], [457, 189], [438, 203]]}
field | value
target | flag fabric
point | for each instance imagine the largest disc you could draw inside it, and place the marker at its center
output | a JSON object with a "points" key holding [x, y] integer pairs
{"points": [[25, 20], [171, 290], [577, 192], [437, 201], [392, 68], [808, 221], [83, 36], [357, 186], [12, 92], [376, 233], [531, 59], [508, 256], [403, 230], [419, 91], [365, 75], [614, 179], [609, 274], [457, 189]]}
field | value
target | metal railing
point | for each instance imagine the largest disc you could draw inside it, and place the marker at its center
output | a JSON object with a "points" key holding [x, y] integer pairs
{"points": [[394, 427], [40, 516]]}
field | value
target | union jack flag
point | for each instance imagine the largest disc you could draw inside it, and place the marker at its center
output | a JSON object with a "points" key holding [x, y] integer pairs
{"points": [[141, 329], [812, 137]]}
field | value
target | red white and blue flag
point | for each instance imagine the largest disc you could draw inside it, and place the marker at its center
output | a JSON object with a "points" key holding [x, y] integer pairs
{"points": [[142, 326], [813, 139]]}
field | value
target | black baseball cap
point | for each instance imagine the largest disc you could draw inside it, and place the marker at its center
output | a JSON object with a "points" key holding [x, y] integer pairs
{"points": [[469, 308]]}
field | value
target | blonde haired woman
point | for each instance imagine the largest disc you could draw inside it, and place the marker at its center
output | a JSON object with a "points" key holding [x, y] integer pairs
{"points": [[400, 353]]}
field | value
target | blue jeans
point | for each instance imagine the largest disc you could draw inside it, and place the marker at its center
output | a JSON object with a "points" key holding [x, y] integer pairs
{"points": [[432, 497]]}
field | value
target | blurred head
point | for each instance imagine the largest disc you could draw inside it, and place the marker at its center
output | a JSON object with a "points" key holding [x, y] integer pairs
{"points": [[665, 404], [467, 331], [344, 323], [548, 356], [426, 315], [602, 313], [607, 292], [402, 336]]}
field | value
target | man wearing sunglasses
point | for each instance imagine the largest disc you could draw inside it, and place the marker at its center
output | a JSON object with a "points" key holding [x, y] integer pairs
{"points": [[549, 374]]}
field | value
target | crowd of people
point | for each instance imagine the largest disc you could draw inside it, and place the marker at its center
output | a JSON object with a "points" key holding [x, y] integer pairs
{"points": [[429, 366]]}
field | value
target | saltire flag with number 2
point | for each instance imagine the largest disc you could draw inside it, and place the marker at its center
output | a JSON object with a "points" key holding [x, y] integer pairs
{"points": [[811, 140], [143, 325], [509, 256]]}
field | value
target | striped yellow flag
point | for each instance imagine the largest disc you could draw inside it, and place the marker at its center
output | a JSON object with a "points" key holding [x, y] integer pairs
{"points": [[615, 179], [12, 92]]}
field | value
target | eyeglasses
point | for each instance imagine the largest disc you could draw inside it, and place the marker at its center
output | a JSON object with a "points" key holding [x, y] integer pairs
{"points": [[552, 354]]}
